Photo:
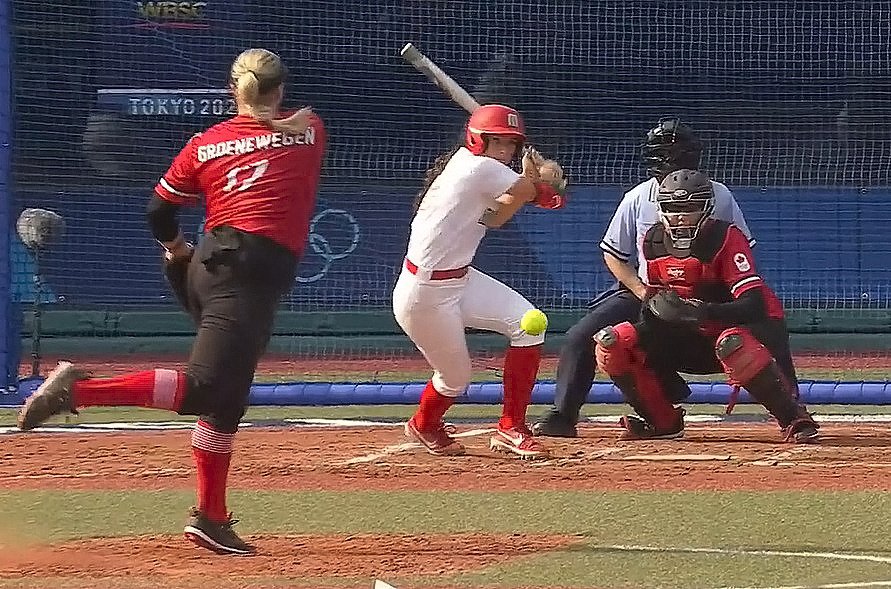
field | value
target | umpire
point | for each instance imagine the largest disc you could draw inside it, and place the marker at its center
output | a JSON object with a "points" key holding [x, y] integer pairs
{"points": [[668, 146]]}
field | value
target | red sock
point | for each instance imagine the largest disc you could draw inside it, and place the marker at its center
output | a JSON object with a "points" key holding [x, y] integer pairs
{"points": [[432, 407], [212, 451], [520, 372], [159, 388]]}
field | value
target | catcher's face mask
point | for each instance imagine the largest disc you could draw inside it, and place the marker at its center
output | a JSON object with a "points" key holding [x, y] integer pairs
{"points": [[682, 214]]}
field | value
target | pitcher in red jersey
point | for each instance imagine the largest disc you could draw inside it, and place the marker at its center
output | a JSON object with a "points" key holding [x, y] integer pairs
{"points": [[258, 174], [708, 311]]}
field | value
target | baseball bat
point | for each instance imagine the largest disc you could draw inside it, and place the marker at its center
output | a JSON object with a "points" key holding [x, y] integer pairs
{"points": [[450, 87]]}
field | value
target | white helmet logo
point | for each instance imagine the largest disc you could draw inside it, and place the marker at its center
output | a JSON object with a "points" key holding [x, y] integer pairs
{"points": [[681, 193], [513, 120]]}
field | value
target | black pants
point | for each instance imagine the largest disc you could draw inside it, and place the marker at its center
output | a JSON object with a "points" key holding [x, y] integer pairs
{"points": [[575, 371], [235, 283], [671, 349]]}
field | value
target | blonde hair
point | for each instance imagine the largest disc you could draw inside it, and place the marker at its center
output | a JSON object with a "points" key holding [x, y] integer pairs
{"points": [[255, 74]]}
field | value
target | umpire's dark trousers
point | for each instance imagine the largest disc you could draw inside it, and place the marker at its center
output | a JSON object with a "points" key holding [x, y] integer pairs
{"points": [[575, 372], [235, 282]]}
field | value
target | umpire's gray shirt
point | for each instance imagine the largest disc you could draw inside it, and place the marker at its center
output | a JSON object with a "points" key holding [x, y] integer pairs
{"points": [[638, 212]]}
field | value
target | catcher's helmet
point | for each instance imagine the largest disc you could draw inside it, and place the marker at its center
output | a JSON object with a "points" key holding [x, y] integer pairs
{"points": [[669, 146], [492, 119], [685, 199]]}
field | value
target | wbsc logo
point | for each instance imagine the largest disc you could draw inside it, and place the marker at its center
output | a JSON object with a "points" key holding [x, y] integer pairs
{"points": [[172, 15]]}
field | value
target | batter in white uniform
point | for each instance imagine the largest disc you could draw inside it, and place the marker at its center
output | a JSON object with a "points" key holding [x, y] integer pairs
{"points": [[438, 293]]}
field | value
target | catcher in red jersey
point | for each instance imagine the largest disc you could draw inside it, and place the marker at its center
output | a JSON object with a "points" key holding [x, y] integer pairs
{"points": [[258, 174], [708, 311]]}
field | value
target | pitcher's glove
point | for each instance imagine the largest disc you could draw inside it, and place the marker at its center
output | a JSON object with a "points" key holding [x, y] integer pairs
{"points": [[668, 306]]}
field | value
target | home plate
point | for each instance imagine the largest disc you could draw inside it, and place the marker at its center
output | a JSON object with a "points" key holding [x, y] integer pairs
{"points": [[406, 447], [382, 585], [676, 457], [388, 451]]}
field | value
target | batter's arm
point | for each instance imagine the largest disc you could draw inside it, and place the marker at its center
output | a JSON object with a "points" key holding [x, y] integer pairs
{"points": [[506, 206]]}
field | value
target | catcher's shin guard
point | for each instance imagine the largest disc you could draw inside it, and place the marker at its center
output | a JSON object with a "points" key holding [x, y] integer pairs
{"points": [[750, 365], [620, 356]]}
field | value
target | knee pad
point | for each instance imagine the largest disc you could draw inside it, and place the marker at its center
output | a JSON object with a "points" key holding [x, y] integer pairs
{"points": [[748, 363], [616, 348], [741, 355], [619, 356]]}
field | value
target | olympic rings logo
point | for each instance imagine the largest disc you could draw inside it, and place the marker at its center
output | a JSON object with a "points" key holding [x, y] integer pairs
{"points": [[321, 245]]}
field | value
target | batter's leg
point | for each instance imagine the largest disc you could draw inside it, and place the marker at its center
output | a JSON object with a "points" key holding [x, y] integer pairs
{"points": [[429, 313], [491, 305]]}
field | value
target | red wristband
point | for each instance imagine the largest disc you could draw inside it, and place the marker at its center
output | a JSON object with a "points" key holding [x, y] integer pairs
{"points": [[547, 197]]}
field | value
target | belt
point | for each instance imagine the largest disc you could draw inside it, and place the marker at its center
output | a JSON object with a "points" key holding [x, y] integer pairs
{"points": [[438, 274]]}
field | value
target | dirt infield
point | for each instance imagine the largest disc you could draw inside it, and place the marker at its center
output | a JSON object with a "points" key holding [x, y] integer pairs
{"points": [[712, 456], [289, 557], [720, 456]]}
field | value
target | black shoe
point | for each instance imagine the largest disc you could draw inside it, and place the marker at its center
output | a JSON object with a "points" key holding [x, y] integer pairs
{"points": [[52, 397], [218, 537], [801, 431], [554, 424], [637, 428]]}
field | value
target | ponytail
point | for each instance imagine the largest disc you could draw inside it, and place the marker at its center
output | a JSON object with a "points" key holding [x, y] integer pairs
{"points": [[433, 173], [255, 74]]}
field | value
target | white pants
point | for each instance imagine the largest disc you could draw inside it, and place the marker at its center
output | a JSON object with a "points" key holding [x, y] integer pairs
{"points": [[434, 313]]}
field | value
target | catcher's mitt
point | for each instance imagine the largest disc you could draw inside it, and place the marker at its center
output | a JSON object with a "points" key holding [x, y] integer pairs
{"points": [[668, 306]]}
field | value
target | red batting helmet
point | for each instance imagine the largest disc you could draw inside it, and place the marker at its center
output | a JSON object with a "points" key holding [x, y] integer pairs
{"points": [[492, 119]]}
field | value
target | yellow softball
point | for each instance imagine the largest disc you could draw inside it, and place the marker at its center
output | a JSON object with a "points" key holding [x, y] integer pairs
{"points": [[534, 322]]}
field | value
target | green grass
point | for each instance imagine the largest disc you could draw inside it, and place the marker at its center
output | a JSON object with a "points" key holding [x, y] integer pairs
{"points": [[589, 566], [787, 521]]}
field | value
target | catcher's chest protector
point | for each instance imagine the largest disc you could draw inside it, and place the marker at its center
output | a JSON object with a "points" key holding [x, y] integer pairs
{"points": [[695, 276]]}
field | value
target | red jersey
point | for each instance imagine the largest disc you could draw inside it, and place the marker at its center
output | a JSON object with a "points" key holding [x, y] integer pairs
{"points": [[719, 269], [252, 178]]}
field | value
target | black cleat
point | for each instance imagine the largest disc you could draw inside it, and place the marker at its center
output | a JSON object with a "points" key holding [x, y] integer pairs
{"points": [[52, 397], [801, 431], [554, 424], [637, 428], [217, 537]]}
